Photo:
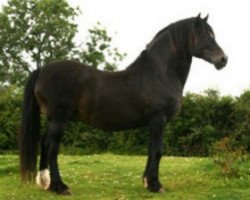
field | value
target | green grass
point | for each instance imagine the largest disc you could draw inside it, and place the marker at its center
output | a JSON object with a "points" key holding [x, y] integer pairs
{"points": [[119, 177]]}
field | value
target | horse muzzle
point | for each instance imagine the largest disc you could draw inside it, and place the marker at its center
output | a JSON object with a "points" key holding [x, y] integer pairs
{"points": [[221, 62]]}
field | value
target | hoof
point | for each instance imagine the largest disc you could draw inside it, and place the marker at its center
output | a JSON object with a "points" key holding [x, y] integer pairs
{"points": [[153, 186], [60, 188], [66, 192], [162, 190]]}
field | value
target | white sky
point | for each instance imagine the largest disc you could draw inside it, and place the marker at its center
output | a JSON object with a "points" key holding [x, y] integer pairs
{"points": [[133, 23]]}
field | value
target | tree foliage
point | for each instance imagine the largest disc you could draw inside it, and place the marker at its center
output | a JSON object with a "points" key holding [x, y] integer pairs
{"points": [[34, 32], [98, 51]]}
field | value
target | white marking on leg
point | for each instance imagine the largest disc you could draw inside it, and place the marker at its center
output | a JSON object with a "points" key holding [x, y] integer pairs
{"points": [[43, 179], [145, 180]]}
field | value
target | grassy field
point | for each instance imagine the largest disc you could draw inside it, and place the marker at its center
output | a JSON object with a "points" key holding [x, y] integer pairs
{"points": [[115, 177]]}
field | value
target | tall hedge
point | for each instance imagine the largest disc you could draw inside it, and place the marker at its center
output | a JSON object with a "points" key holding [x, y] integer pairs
{"points": [[204, 119]]}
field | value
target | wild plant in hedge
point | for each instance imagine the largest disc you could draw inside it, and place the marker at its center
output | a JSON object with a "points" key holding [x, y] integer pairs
{"points": [[227, 154]]}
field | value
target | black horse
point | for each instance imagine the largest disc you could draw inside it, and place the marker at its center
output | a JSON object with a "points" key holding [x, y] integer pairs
{"points": [[147, 93]]}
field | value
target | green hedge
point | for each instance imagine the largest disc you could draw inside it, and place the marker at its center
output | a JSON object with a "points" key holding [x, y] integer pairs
{"points": [[203, 120], [10, 109]]}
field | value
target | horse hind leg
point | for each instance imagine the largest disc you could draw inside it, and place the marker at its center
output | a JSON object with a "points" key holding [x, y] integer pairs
{"points": [[50, 156], [43, 176]]}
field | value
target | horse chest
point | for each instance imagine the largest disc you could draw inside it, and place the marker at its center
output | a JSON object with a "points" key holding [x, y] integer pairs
{"points": [[165, 99]]}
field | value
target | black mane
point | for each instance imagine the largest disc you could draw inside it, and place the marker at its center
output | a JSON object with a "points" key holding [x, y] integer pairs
{"points": [[179, 31]]}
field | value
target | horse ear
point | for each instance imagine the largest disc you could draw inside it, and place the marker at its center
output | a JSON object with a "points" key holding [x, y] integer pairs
{"points": [[199, 16], [206, 18], [198, 20]]}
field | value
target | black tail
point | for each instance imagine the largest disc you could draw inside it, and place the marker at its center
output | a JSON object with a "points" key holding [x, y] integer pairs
{"points": [[30, 130]]}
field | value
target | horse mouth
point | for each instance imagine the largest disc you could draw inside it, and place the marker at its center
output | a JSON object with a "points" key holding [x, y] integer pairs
{"points": [[219, 66]]}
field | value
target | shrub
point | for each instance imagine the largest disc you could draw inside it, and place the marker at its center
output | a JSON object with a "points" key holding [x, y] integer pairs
{"points": [[227, 153], [81, 136], [10, 115], [203, 120]]}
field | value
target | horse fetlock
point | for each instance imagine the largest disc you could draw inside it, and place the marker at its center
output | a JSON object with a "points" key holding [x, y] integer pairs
{"points": [[145, 182], [43, 179]]}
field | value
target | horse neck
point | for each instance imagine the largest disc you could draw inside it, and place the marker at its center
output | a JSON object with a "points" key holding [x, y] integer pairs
{"points": [[181, 67], [171, 59]]}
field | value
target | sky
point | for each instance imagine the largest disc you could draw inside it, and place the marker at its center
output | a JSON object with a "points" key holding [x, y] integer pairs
{"points": [[133, 24]]}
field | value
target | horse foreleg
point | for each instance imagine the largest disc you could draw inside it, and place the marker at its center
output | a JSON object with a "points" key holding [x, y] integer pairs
{"points": [[150, 177], [52, 145]]}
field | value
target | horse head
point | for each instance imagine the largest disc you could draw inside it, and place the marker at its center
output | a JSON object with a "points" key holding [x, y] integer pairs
{"points": [[203, 44]]}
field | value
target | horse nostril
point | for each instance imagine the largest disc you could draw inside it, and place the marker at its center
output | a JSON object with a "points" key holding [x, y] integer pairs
{"points": [[223, 59]]}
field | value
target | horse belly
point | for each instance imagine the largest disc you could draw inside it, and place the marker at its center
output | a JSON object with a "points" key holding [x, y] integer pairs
{"points": [[118, 118]]}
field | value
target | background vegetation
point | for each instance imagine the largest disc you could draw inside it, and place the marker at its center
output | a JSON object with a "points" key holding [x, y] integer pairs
{"points": [[202, 121]]}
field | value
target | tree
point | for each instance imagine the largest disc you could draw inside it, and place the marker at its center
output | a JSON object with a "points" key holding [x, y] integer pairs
{"points": [[33, 32], [98, 51]]}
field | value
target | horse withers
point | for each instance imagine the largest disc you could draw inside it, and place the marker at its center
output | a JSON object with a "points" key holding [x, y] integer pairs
{"points": [[147, 94]]}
